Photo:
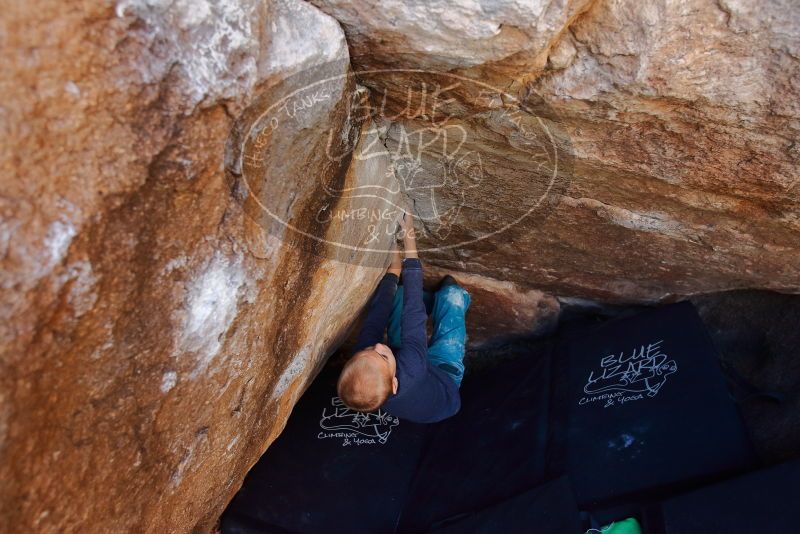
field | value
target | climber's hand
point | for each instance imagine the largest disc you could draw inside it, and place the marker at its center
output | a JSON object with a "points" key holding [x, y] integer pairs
{"points": [[406, 221], [409, 235]]}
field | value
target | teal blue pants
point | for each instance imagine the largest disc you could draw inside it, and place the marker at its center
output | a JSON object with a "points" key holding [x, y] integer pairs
{"points": [[448, 307]]}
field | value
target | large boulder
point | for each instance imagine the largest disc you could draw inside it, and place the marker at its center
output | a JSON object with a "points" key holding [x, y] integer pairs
{"points": [[676, 125], [156, 329]]}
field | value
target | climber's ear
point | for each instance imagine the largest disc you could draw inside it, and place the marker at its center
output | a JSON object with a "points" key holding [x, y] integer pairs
{"points": [[394, 386]]}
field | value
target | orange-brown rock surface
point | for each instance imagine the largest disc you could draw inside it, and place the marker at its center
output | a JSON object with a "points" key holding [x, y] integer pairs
{"points": [[677, 123], [155, 337], [176, 265]]}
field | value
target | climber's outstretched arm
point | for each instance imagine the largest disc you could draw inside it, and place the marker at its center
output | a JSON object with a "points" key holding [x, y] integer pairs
{"points": [[380, 306]]}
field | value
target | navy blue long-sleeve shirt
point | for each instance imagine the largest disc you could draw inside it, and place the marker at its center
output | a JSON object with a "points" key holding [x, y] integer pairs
{"points": [[425, 394]]}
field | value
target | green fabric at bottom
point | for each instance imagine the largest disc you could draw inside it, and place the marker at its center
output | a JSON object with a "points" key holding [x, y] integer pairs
{"points": [[628, 526]]}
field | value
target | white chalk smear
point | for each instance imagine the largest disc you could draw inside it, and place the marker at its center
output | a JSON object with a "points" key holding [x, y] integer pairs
{"points": [[211, 305], [168, 381]]}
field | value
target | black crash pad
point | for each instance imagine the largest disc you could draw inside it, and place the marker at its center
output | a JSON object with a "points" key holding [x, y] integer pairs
{"points": [[492, 450], [667, 425], [321, 475], [648, 409], [763, 502], [331, 470], [547, 509]]}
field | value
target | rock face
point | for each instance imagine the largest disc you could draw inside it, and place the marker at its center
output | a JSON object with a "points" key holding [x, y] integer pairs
{"points": [[155, 335], [185, 236], [677, 124]]}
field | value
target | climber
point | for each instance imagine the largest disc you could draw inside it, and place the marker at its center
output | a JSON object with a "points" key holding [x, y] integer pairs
{"points": [[409, 377]]}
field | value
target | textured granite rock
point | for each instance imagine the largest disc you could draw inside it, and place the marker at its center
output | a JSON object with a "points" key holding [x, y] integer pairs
{"points": [[155, 335], [677, 123]]}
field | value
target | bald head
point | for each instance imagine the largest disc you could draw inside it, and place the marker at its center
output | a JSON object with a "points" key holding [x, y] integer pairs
{"points": [[366, 381]]}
